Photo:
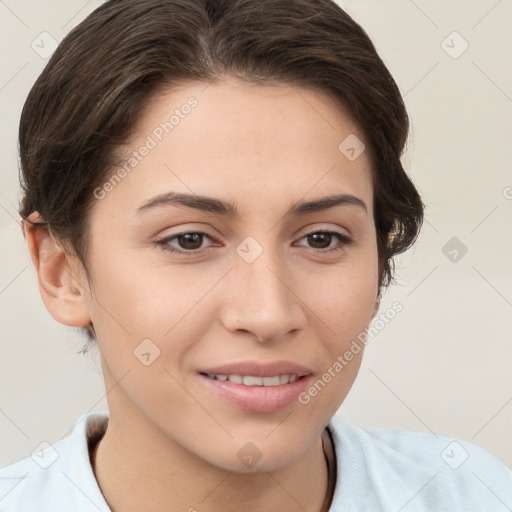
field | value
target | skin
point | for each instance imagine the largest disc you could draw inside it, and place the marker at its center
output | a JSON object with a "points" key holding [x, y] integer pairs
{"points": [[262, 148]]}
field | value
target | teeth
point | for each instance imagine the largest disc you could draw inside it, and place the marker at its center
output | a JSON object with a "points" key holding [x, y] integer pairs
{"points": [[270, 381], [251, 380]]}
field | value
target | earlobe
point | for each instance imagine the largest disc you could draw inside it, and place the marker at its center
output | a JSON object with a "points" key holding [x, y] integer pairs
{"points": [[60, 284]]}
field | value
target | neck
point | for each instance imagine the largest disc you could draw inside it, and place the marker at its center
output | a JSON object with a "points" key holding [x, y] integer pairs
{"points": [[138, 468]]}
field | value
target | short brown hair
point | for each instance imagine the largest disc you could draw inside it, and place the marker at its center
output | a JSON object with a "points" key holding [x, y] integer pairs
{"points": [[95, 87]]}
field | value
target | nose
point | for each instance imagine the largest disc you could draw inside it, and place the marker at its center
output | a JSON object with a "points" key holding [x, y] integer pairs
{"points": [[261, 300]]}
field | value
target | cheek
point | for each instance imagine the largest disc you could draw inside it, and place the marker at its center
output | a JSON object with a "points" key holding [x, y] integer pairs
{"points": [[341, 310], [136, 297], [344, 295], [146, 308]]}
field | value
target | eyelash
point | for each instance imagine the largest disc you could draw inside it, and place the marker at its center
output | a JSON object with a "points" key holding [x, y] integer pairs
{"points": [[163, 243]]}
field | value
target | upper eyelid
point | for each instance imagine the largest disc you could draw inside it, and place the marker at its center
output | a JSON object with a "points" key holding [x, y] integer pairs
{"points": [[305, 231]]}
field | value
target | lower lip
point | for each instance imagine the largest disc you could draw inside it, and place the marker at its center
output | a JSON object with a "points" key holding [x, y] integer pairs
{"points": [[258, 398]]}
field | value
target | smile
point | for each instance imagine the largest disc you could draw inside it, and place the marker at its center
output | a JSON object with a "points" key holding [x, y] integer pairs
{"points": [[254, 393], [252, 380]]}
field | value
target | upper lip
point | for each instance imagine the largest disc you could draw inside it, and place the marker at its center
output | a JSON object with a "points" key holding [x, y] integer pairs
{"points": [[258, 369]]}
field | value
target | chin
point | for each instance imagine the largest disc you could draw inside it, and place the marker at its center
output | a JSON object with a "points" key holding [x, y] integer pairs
{"points": [[248, 458]]}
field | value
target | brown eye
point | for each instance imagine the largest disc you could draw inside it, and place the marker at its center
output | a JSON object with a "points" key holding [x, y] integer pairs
{"points": [[321, 241], [318, 240], [189, 242]]}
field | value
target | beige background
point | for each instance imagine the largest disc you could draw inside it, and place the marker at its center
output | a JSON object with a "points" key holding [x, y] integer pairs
{"points": [[442, 364]]}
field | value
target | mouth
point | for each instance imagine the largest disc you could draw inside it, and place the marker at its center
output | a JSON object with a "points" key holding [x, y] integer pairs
{"points": [[254, 380], [255, 393]]}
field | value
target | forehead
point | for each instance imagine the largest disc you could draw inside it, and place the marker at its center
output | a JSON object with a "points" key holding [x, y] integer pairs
{"points": [[243, 143]]}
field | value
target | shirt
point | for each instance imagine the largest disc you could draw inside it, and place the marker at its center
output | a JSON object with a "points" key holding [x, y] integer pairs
{"points": [[382, 470]]}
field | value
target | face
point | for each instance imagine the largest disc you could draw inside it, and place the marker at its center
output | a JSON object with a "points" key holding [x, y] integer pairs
{"points": [[235, 273]]}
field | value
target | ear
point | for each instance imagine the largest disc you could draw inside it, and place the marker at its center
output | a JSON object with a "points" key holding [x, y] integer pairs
{"points": [[60, 283]]}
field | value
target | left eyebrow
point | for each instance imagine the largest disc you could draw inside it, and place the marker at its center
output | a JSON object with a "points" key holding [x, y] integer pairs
{"points": [[228, 209], [324, 203]]}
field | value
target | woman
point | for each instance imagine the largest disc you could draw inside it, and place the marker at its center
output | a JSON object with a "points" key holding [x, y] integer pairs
{"points": [[213, 191]]}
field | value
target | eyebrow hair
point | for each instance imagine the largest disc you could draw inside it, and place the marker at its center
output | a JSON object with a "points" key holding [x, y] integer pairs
{"points": [[216, 206]]}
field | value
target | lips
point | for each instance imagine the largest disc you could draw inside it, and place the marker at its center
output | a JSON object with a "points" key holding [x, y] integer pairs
{"points": [[256, 369], [251, 380], [243, 390]]}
